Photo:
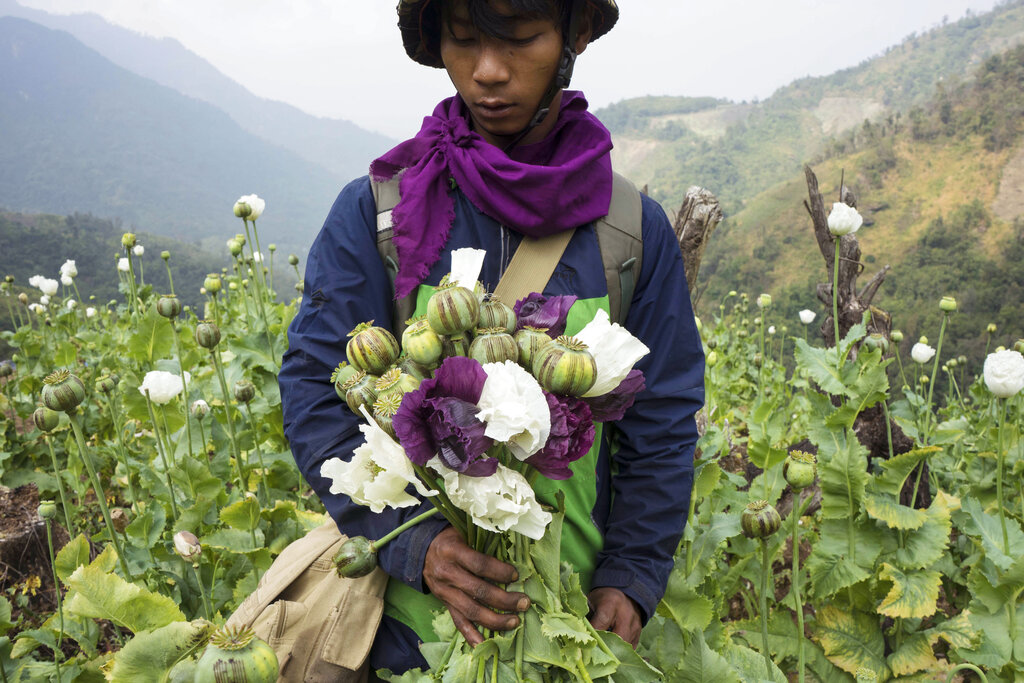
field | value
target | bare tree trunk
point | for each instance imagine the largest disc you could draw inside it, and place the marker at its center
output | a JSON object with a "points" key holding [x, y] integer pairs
{"points": [[698, 217]]}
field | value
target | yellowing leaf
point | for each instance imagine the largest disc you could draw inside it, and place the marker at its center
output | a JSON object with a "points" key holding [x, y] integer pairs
{"points": [[887, 509], [913, 594], [852, 640], [914, 655], [104, 595], [149, 656]]}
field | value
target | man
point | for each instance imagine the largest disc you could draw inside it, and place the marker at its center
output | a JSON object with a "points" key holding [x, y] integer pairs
{"points": [[512, 154]]}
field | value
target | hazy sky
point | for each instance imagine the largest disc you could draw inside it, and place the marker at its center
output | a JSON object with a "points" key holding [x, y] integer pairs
{"points": [[344, 58]]}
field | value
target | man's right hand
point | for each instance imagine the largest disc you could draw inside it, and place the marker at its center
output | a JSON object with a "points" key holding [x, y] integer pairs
{"points": [[464, 580]]}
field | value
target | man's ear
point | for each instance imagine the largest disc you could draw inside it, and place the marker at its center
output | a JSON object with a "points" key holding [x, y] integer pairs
{"points": [[586, 28]]}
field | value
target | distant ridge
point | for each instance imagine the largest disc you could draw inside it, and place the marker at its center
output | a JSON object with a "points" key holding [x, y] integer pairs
{"points": [[338, 145]]}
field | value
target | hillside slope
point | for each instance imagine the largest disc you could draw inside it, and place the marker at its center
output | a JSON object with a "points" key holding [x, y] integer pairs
{"points": [[83, 135]]}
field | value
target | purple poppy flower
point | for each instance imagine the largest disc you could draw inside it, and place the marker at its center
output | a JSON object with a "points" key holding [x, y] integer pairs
{"points": [[572, 435], [613, 405], [439, 419], [540, 311]]}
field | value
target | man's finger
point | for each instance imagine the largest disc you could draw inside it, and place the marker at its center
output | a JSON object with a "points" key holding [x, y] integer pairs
{"points": [[466, 627], [484, 566], [604, 616]]}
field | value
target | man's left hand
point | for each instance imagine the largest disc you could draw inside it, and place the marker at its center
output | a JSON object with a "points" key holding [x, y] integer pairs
{"points": [[612, 610]]}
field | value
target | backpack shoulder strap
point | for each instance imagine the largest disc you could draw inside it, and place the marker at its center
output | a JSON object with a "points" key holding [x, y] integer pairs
{"points": [[386, 196], [619, 235]]}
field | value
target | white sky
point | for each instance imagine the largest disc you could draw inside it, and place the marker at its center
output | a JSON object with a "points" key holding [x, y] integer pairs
{"points": [[344, 58]]}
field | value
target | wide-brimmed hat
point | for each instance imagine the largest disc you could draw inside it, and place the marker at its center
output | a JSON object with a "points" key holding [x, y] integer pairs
{"points": [[417, 25]]}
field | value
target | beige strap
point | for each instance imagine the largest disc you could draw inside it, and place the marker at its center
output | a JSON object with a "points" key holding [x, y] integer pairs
{"points": [[531, 266]]}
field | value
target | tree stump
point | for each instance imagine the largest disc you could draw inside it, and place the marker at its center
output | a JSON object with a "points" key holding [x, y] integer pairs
{"points": [[698, 217]]}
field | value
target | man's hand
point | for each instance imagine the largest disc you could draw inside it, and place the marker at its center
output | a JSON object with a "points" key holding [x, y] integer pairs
{"points": [[464, 579], [612, 610]]}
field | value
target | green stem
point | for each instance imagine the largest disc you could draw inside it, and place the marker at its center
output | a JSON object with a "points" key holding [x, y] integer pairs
{"points": [[68, 512], [184, 387], [163, 458], [168, 444], [56, 591], [170, 278], [202, 592], [131, 282], [259, 456], [796, 586], [969, 667], [899, 361], [122, 451], [688, 543], [452, 645], [100, 496], [835, 314], [931, 382], [1000, 459], [142, 275], [763, 597], [227, 416], [259, 285], [202, 436], [888, 425], [387, 538]]}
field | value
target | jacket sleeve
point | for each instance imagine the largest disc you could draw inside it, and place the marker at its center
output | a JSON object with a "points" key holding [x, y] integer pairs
{"points": [[345, 284], [653, 467]]}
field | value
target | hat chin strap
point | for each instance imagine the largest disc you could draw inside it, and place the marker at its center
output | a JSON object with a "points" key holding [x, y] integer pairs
{"points": [[562, 77]]}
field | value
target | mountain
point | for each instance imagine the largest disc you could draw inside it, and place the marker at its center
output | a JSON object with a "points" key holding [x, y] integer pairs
{"points": [[84, 135], [338, 145], [738, 150]]}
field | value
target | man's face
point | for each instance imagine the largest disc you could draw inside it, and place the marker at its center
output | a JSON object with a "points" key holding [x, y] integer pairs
{"points": [[501, 81]]}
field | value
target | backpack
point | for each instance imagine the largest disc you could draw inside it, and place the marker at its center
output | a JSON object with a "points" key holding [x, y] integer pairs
{"points": [[618, 236]]}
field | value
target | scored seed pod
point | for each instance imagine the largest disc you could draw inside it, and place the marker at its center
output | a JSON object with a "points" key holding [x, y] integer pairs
{"points": [[454, 346], [566, 367], [420, 342], [394, 381], [371, 349], [760, 520], [244, 391], [45, 419], [212, 283], [800, 470], [412, 368], [357, 557], [62, 391], [452, 310], [169, 306], [236, 655], [530, 341], [493, 345], [493, 313], [384, 410], [359, 391], [106, 384], [207, 334], [877, 341], [341, 374]]}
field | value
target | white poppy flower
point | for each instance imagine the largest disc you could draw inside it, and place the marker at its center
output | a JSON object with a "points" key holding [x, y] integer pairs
{"points": [[771, 329], [501, 502], [257, 257], [66, 280], [138, 250], [44, 284], [69, 268], [256, 205], [466, 266], [44, 300], [378, 473], [71, 303], [38, 309], [844, 220], [922, 353], [123, 265], [807, 316], [90, 312], [162, 386], [614, 349], [1004, 373], [512, 404]]}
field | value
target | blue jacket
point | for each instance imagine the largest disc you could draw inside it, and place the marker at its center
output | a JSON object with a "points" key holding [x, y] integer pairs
{"points": [[643, 491]]}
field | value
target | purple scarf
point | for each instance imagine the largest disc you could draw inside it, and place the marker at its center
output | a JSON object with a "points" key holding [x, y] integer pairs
{"points": [[559, 183]]}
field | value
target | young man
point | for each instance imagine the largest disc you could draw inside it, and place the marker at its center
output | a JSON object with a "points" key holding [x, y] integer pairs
{"points": [[511, 154]]}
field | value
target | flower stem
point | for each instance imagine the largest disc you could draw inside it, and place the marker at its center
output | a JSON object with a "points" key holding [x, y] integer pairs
{"points": [[100, 496], [68, 512], [1000, 459], [131, 284], [184, 387], [202, 592], [60, 602], [259, 456], [765, 570], [170, 278], [122, 451], [969, 667], [888, 425], [163, 457], [835, 313], [796, 586], [388, 537], [227, 416], [931, 383]]}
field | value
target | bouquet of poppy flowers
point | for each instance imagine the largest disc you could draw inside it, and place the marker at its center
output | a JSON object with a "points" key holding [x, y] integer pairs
{"points": [[477, 402]]}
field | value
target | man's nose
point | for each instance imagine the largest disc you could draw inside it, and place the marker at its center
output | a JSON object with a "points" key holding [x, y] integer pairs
{"points": [[492, 63]]}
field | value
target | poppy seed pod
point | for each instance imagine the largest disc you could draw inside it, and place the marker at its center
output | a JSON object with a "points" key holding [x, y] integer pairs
{"points": [[165, 255], [877, 341], [760, 520], [207, 334], [106, 384], [566, 367], [200, 409], [244, 391], [293, 260], [212, 283], [47, 510], [800, 469], [896, 336], [991, 329], [236, 655], [23, 298], [235, 247], [371, 349], [242, 209], [947, 304], [63, 391], [356, 557], [128, 240], [169, 306], [45, 419]]}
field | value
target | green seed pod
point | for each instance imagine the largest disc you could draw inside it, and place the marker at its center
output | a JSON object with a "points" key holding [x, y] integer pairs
{"points": [[200, 409], [8, 279], [530, 341], [800, 469], [47, 510], [235, 247], [394, 381], [46, 420], [272, 247], [758, 360], [760, 520], [341, 374], [384, 410], [165, 255], [494, 345], [493, 313], [961, 360], [421, 342], [371, 349], [1018, 346], [877, 341], [212, 283], [991, 329], [712, 344], [359, 391], [565, 366], [742, 334], [236, 655], [293, 260], [207, 334], [128, 240], [242, 210], [168, 306], [356, 557], [764, 300], [244, 391], [62, 391], [453, 309], [947, 304], [454, 346], [106, 384], [712, 359]]}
